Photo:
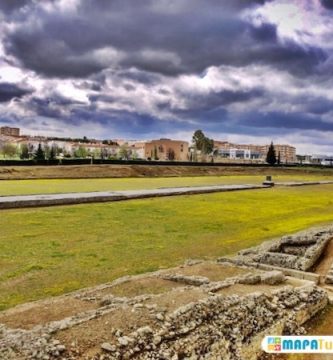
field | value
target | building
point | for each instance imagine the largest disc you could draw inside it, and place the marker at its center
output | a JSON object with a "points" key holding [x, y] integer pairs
{"points": [[304, 159], [96, 149], [287, 153], [164, 150], [254, 153], [325, 160], [9, 131]]}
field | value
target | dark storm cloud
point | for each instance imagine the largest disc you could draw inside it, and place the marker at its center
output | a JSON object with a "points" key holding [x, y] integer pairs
{"points": [[10, 91], [328, 4], [201, 105], [52, 106], [143, 55], [279, 120], [128, 124], [317, 106], [49, 56], [161, 37], [11, 5]]}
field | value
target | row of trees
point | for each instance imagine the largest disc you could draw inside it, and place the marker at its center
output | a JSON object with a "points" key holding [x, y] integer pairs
{"points": [[25, 152]]}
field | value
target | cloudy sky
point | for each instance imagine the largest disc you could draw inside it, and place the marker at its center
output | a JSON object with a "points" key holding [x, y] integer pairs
{"points": [[241, 70]]}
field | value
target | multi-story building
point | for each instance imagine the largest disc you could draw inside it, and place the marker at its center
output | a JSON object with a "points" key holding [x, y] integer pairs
{"points": [[9, 131], [325, 160], [287, 153], [227, 150]]}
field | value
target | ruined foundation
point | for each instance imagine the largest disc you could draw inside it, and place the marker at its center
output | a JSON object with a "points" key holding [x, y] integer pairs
{"points": [[201, 310]]}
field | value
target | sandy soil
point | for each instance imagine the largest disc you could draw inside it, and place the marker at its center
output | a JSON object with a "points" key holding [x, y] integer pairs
{"points": [[325, 262]]}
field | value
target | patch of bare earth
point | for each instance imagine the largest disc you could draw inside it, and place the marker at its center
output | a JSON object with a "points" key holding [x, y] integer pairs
{"points": [[243, 289], [325, 262], [137, 287], [29, 315], [212, 271]]}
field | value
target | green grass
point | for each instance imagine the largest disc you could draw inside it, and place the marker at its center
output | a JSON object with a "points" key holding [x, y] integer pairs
{"points": [[50, 251], [48, 186]]}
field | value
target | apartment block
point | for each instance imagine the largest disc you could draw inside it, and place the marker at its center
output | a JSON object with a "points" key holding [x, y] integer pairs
{"points": [[227, 150], [9, 131]]}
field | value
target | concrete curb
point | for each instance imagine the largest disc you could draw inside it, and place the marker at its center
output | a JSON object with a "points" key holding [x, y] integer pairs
{"points": [[15, 202]]}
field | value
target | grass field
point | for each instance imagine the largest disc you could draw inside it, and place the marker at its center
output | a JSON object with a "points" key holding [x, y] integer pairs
{"points": [[50, 251], [47, 186]]}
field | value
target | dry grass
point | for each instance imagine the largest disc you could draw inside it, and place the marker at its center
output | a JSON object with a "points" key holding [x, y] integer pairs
{"points": [[123, 171]]}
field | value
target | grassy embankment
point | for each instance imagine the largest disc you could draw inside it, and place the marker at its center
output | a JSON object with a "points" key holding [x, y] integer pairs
{"points": [[124, 171], [50, 251]]}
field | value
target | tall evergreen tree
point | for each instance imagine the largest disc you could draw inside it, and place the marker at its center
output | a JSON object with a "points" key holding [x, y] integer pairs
{"points": [[24, 152], [52, 154], [39, 154], [271, 155]]}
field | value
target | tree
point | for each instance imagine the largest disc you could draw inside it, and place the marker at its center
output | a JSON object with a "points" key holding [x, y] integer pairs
{"points": [[155, 153], [9, 150], [194, 155], [198, 139], [124, 153], [46, 151], [279, 158], [271, 156], [53, 153], [24, 153], [171, 155], [202, 143], [39, 154], [81, 152], [208, 146], [96, 153], [191, 156], [104, 153]]}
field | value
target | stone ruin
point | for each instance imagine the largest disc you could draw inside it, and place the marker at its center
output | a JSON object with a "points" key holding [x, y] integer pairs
{"points": [[214, 327], [300, 251], [329, 277], [206, 310]]}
